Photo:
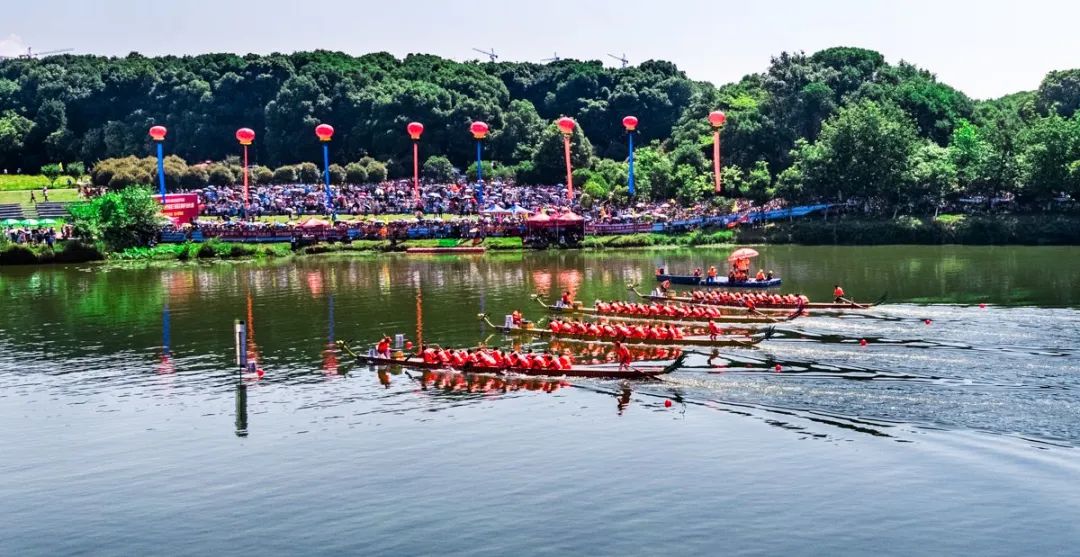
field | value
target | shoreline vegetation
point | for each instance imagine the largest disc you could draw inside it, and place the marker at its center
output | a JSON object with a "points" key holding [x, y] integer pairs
{"points": [[945, 229]]}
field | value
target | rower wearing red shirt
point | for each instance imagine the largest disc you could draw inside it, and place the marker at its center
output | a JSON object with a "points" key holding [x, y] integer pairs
{"points": [[622, 355], [383, 348]]}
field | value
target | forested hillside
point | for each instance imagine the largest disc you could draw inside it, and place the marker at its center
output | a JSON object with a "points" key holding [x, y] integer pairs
{"points": [[836, 124]]}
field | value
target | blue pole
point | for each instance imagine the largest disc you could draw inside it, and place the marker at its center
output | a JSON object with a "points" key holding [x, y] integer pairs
{"points": [[161, 171], [326, 175], [479, 177], [630, 177]]}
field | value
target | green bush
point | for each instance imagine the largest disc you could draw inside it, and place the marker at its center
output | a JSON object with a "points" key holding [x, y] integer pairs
{"points": [[19, 254], [78, 252]]}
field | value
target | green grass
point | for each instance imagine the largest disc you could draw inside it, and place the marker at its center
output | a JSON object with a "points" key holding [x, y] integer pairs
{"points": [[23, 197], [695, 238], [16, 182]]}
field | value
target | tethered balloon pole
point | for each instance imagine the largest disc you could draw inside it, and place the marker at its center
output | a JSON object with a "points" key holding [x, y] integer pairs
{"points": [[566, 127], [415, 129], [716, 120], [157, 133], [479, 131], [630, 123], [324, 132]]}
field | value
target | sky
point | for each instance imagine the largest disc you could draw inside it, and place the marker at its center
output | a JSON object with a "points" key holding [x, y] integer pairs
{"points": [[985, 48]]}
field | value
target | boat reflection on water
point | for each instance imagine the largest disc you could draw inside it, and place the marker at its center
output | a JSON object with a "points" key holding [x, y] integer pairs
{"points": [[241, 410], [623, 399], [448, 381]]}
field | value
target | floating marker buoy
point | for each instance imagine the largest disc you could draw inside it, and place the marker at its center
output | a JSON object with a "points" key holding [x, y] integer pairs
{"points": [[927, 321], [667, 404], [779, 367], [260, 373], [862, 342], [982, 306]]}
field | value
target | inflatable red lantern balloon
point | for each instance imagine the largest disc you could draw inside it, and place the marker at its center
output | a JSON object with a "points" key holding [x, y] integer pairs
{"points": [[415, 129], [245, 136], [479, 129], [630, 123], [324, 132], [566, 125], [716, 118], [158, 133]]}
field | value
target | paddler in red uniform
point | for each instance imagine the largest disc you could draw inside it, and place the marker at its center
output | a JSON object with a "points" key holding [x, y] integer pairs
{"points": [[622, 355], [838, 292], [711, 277], [566, 300], [383, 348], [714, 330]]}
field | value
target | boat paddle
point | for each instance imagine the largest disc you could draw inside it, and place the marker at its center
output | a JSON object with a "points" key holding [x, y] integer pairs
{"points": [[852, 303]]}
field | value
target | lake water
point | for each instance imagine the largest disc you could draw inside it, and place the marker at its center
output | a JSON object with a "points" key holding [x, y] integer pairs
{"points": [[125, 433]]}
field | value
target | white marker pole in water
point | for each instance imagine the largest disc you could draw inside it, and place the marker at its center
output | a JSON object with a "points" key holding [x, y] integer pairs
{"points": [[240, 335]]}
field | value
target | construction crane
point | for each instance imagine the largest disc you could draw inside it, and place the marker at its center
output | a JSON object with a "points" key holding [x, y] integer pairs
{"points": [[621, 59], [554, 58], [31, 54], [490, 54]]}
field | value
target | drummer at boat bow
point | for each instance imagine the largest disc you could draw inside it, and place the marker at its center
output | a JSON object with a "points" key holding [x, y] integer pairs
{"points": [[566, 301]]}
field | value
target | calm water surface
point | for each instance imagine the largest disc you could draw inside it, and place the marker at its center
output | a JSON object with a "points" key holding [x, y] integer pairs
{"points": [[125, 432]]}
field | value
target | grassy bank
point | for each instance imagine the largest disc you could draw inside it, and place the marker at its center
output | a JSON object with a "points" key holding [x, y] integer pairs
{"points": [[696, 238], [946, 229], [227, 250], [23, 197], [63, 252]]}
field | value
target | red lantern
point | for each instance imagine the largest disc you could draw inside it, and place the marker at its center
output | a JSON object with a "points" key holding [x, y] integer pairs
{"points": [[324, 132], [566, 125], [158, 133], [415, 129], [630, 123], [245, 136], [716, 118], [479, 129]]}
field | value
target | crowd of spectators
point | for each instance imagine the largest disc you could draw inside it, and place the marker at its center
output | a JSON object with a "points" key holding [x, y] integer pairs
{"points": [[33, 235], [391, 197]]}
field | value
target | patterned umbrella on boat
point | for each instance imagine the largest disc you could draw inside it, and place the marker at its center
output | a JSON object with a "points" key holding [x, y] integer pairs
{"points": [[742, 253]]}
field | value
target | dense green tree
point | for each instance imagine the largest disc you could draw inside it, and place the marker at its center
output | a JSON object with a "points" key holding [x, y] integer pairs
{"points": [[1051, 150], [196, 177], [337, 174], [759, 183], [121, 219], [52, 171], [308, 173], [1059, 93], [863, 151], [971, 155], [438, 169], [222, 175], [376, 171], [933, 176], [285, 175], [355, 173], [549, 162], [261, 175]]}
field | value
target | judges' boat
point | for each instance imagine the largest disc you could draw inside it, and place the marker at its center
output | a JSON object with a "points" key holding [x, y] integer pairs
{"points": [[762, 302], [532, 368], [668, 312], [719, 282], [630, 336]]}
